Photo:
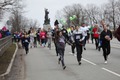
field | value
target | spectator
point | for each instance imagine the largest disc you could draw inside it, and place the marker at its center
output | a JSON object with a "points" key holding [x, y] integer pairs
{"points": [[0, 34], [8, 33]]}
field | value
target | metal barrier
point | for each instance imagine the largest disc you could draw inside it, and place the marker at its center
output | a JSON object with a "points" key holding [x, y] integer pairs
{"points": [[4, 44]]}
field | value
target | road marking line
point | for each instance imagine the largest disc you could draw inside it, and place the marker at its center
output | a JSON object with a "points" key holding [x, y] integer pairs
{"points": [[111, 72], [116, 47], [89, 61], [70, 53], [85, 60]]}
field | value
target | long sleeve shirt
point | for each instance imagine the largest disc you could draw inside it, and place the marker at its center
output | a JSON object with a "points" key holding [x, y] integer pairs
{"points": [[105, 42], [78, 36]]}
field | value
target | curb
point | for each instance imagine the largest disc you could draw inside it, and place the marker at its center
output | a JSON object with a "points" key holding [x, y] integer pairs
{"points": [[2, 76]]}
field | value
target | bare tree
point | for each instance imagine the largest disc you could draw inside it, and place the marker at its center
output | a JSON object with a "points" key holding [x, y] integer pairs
{"points": [[75, 9], [59, 16], [16, 20], [93, 13], [111, 10], [33, 23], [17, 17], [7, 5]]}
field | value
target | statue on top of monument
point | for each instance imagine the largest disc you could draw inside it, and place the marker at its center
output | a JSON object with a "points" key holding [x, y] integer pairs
{"points": [[47, 20]]}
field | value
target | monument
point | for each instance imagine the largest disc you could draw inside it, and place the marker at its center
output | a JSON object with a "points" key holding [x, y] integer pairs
{"points": [[46, 24]]}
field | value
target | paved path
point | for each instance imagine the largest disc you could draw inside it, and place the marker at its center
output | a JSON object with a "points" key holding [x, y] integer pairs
{"points": [[41, 64]]}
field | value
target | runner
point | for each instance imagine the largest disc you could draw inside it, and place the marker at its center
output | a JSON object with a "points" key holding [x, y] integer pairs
{"points": [[54, 35], [60, 41], [26, 41], [43, 37], [106, 36], [32, 38], [96, 35], [84, 29], [79, 38]]}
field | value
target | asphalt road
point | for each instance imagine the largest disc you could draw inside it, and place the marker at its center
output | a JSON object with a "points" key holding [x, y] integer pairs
{"points": [[42, 64]]}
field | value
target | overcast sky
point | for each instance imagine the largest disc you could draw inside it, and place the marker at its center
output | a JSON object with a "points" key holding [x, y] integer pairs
{"points": [[35, 8]]}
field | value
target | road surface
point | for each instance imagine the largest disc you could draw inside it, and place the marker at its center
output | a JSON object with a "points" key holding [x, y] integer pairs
{"points": [[42, 64]]}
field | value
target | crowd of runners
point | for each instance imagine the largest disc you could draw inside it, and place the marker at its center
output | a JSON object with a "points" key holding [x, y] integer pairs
{"points": [[74, 36]]}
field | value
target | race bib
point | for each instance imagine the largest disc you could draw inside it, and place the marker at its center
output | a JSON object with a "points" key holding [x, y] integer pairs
{"points": [[77, 37], [64, 31], [26, 40]]}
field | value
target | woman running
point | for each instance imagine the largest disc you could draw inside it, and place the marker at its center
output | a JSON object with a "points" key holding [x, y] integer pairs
{"points": [[60, 42]]}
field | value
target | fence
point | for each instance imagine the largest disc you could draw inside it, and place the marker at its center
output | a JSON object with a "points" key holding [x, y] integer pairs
{"points": [[4, 44]]}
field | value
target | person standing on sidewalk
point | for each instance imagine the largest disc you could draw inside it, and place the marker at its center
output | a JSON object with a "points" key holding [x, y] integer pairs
{"points": [[79, 38], [105, 37], [60, 42]]}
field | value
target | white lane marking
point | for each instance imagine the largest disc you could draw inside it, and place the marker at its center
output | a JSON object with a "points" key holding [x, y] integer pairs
{"points": [[89, 61], [85, 60], [111, 72], [102, 68], [70, 53]]}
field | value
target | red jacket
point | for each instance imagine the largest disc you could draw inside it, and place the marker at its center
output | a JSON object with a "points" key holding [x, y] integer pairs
{"points": [[95, 33], [42, 35]]}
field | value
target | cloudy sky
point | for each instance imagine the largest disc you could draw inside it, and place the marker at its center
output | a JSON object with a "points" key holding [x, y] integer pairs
{"points": [[35, 8]]}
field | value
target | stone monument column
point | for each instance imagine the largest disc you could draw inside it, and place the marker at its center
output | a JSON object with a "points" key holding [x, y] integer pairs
{"points": [[46, 24]]}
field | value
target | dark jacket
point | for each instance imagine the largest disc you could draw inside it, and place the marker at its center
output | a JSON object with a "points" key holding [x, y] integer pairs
{"points": [[105, 42], [61, 42], [117, 33]]}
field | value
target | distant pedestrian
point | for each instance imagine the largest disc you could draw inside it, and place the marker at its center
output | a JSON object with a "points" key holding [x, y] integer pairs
{"points": [[32, 35], [35, 38], [96, 35], [43, 37], [105, 37], [38, 33], [84, 29], [26, 41], [49, 37], [91, 34]]}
